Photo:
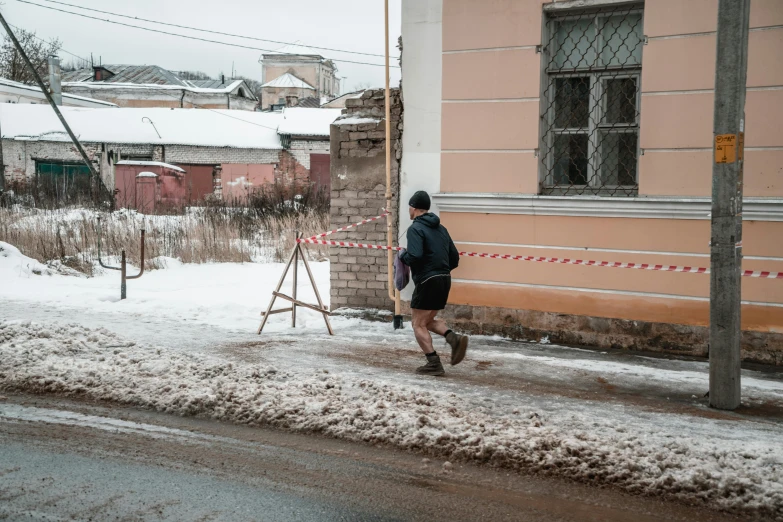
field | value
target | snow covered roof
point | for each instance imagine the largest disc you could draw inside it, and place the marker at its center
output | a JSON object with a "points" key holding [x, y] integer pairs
{"points": [[213, 84], [148, 77], [151, 164], [339, 102], [298, 121], [139, 74], [227, 88], [4, 82], [289, 80], [198, 127], [146, 175], [356, 120]]}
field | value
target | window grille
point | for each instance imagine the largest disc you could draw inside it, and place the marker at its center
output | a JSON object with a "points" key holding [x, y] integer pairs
{"points": [[590, 120]]}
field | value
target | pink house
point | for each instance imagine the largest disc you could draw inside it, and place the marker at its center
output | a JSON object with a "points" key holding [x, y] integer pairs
{"points": [[584, 130]]}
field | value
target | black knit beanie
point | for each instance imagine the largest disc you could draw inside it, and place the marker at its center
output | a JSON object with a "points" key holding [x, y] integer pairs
{"points": [[420, 200]]}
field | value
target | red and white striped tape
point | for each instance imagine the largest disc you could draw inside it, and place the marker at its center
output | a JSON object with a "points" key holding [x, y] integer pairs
{"points": [[346, 244], [565, 261], [638, 266], [762, 274], [343, 229]]}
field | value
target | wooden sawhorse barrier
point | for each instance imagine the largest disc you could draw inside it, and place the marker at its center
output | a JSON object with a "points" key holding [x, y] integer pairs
{"points": [[294, 259]]}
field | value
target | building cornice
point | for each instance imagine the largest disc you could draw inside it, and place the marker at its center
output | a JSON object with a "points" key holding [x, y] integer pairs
{"points": [[754, 209]]}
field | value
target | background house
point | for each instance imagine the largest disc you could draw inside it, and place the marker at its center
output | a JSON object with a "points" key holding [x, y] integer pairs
{"points": [[285, 91], [584, 129], [153, 86], [339, 102], [15, 92], [234, 153], [302, 63]]}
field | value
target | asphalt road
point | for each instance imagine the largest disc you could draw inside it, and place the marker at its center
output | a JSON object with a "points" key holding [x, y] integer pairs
{"points": [[70, 460]]}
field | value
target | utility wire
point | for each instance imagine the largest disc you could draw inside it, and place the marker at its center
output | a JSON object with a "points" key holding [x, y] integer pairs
{"points": [[163, 91], [186, 36], [214, 32], [166, 92]]}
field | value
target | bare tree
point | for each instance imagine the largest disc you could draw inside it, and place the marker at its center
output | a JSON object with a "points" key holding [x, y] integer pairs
{"points": [[74, 65], [12, 65], [193, 75], [362, 86], [254, 85]]}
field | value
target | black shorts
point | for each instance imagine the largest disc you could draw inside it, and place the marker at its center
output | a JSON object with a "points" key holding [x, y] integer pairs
{"points": [[432, 294]]}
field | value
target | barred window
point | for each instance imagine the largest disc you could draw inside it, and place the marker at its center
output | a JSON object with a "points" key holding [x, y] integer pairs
{"points": [[590, 123]]}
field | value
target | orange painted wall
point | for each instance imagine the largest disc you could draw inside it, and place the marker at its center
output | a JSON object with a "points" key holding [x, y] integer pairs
{"points": [[490, 135]]}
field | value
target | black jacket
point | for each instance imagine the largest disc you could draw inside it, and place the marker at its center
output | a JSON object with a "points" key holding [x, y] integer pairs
{"points": [[430, 252]]}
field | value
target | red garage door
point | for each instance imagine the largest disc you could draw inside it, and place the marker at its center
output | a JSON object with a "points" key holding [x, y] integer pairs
{"points": [[320, 173], [198, 180]]}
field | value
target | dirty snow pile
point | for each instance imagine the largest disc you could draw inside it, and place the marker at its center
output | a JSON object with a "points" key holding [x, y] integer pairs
{"points": [[739, 469]]}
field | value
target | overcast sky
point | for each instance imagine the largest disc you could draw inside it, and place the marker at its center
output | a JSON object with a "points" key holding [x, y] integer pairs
{"points": [[353, 25]]}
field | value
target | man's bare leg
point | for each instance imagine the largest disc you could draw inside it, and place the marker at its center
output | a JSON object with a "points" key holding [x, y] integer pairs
{"points": [[421, 320], [437, 326]]}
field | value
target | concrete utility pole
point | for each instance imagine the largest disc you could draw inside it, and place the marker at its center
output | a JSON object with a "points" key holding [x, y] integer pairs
{"points": [[49, 98], [726, 242]]}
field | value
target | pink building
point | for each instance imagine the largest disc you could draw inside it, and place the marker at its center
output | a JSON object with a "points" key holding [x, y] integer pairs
{"points": [[583, 129]]}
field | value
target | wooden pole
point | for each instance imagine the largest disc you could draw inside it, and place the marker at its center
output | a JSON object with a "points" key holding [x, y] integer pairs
{"points": [[317, 294], [277, 289], [393, 293], [293, 292]]}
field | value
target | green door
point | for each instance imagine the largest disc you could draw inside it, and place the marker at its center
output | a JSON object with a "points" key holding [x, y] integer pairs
{"points": [[63, 182]]}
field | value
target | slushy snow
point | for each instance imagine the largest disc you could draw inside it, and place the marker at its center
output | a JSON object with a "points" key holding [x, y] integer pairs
{"points": [[184, 343]]}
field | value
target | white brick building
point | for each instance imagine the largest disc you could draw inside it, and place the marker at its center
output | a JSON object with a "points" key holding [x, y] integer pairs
{"points": [[256, 147]]}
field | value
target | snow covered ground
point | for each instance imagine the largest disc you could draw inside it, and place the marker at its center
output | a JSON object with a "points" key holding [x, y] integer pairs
{"points": [[184, 342]]}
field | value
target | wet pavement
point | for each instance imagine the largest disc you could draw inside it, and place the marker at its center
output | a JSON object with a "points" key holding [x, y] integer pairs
{"points": [[75, 460]]}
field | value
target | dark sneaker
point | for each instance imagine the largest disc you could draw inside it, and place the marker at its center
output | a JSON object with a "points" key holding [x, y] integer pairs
{"points": [[459, 345], [433, 366]]}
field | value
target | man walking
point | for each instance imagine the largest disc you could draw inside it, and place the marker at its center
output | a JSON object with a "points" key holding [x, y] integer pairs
{"points": [[432, 256]]}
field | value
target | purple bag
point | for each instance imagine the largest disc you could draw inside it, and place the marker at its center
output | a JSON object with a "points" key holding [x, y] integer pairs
{"points": [[402, 272]]}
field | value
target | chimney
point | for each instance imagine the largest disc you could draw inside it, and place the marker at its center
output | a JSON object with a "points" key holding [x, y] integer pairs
{"points": [[55, 87], [222, 79], [101, 73]]}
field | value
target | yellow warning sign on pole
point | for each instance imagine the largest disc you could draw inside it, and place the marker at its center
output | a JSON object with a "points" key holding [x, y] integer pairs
{"points": [[725, 148]]}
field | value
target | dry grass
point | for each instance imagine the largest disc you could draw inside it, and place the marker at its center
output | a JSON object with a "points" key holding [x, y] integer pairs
{"points": [[199, 235]]}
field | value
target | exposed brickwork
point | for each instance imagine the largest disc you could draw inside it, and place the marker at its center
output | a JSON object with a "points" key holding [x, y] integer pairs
{"points": [[20, 156], [213, 155], [358, 171], [290, 171], [301, 150]]}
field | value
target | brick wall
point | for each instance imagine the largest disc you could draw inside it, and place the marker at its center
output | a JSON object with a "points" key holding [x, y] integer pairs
{"points": [[213, 155], [358, 171], [301, 150], [19, 156]]}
